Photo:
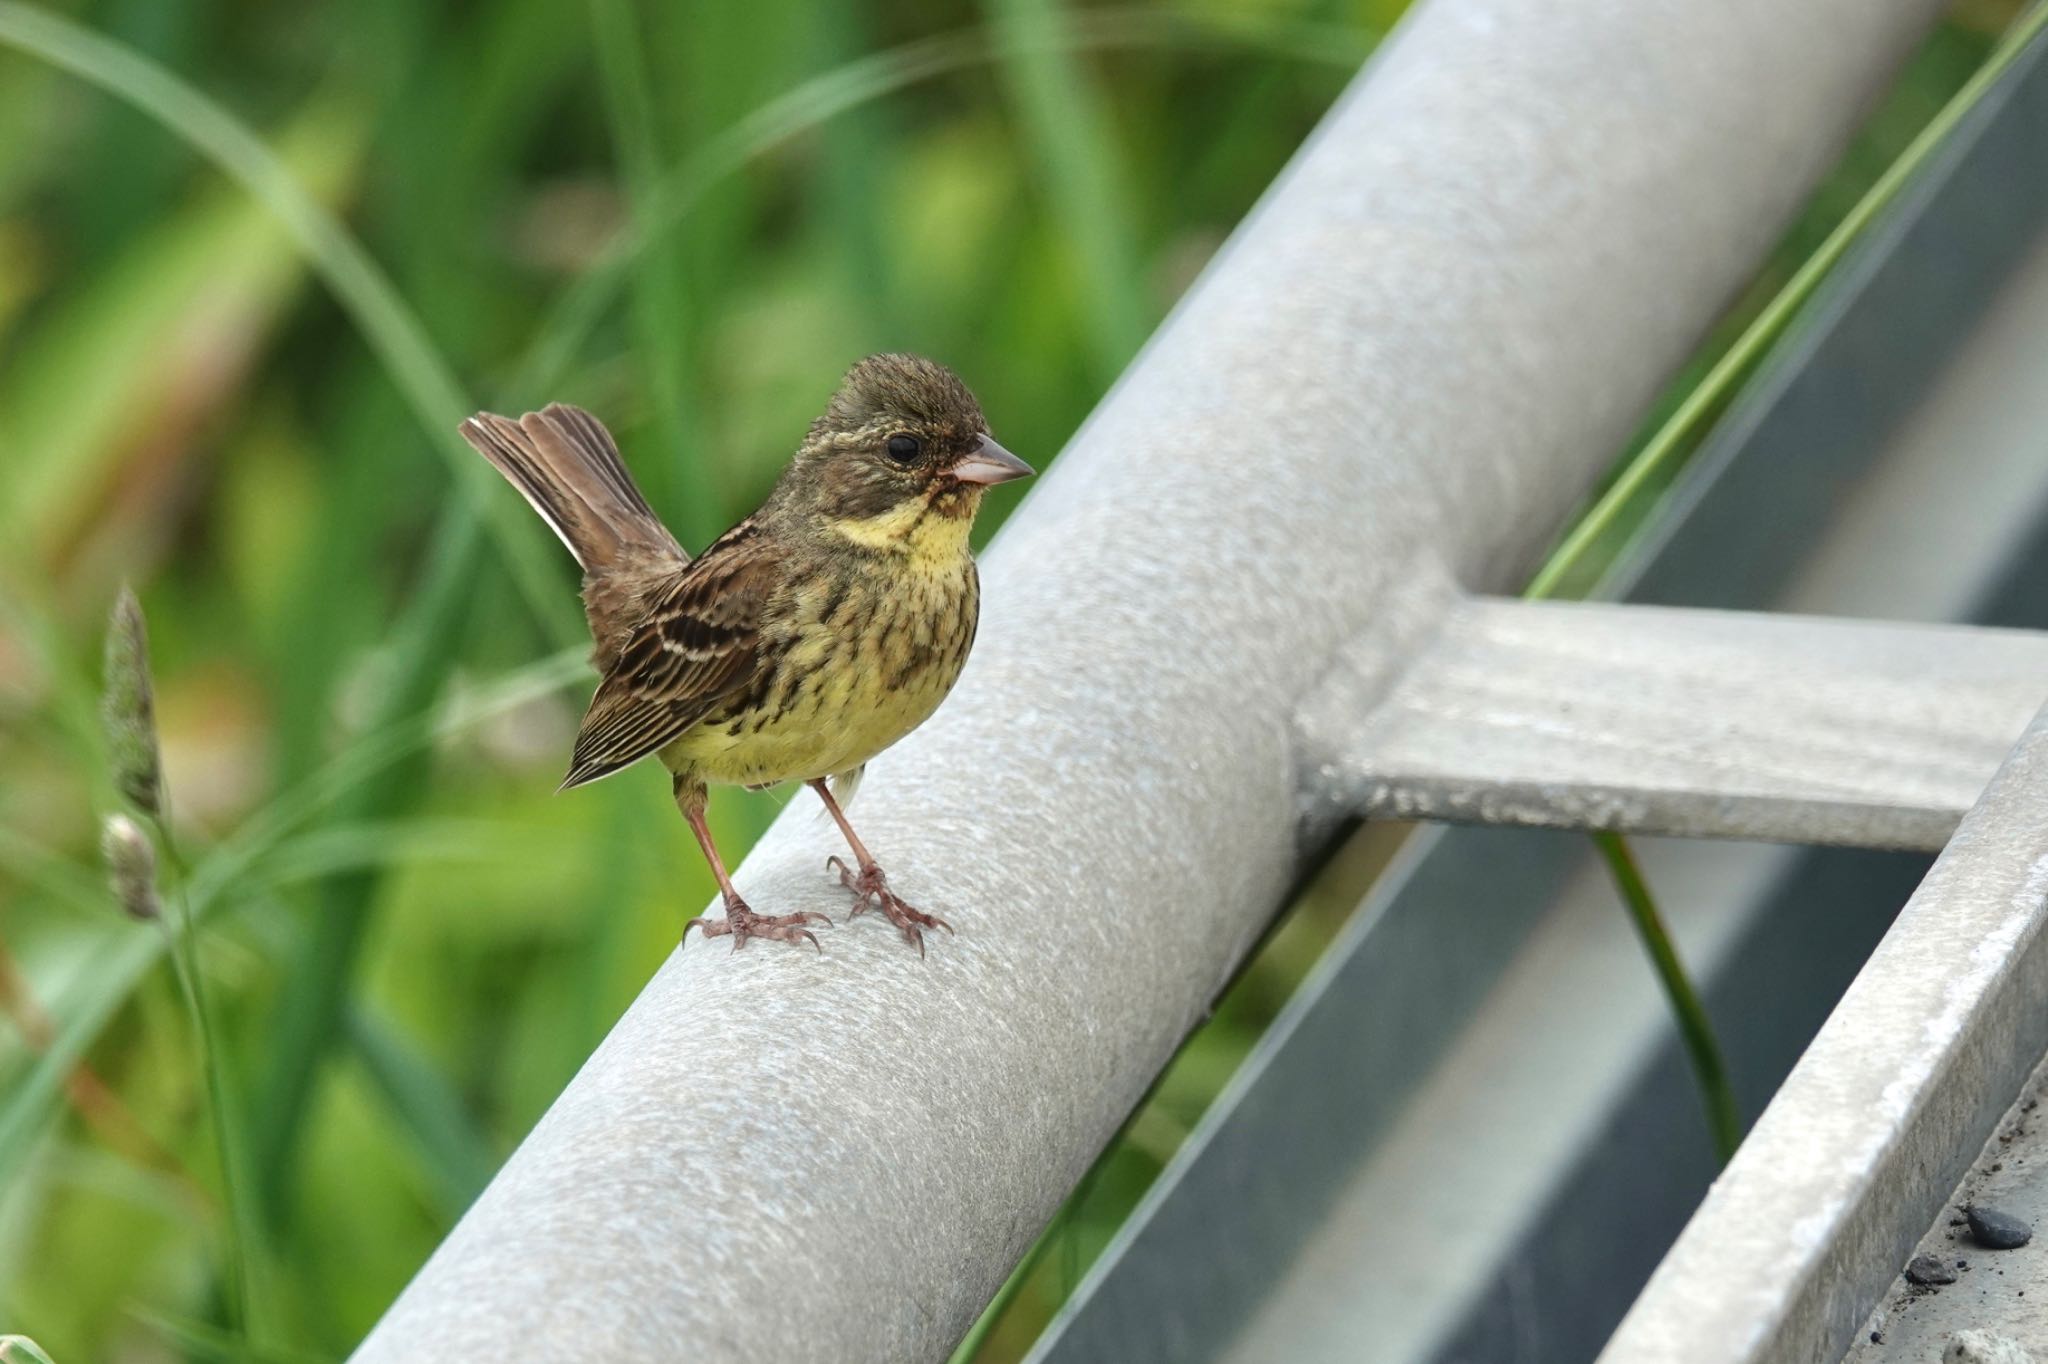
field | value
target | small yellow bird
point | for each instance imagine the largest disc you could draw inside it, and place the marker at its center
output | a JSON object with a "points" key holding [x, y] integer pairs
{"points": [[803, 641]]}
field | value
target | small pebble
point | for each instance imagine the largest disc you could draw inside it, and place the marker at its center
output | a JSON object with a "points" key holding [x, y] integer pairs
{"points": [[1877, 1337], [1984, 1347], [1995, 1230], [1928, 1272]]}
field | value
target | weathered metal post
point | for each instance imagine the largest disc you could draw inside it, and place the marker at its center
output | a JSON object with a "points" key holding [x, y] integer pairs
{"points": [[1396, 381]]}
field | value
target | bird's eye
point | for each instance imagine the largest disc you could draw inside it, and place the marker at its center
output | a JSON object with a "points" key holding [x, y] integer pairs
{"points": [[903, 449]]}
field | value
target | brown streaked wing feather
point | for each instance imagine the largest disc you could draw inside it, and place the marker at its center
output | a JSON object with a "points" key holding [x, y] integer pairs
{"points": [[699, 643]]}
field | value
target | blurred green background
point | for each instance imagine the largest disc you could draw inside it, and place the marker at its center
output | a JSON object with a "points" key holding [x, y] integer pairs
{"points": [[238, 325]]}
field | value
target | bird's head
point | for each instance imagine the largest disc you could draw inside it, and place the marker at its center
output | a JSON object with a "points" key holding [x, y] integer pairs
{"points": [[903, 439]]}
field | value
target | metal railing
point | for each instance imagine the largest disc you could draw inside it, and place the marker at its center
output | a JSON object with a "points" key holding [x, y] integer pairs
{"points": [[1390, 389], [1471, 1135]]}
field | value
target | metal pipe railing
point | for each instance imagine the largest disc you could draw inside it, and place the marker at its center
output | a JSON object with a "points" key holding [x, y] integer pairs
{"points": [[1397, 379]]}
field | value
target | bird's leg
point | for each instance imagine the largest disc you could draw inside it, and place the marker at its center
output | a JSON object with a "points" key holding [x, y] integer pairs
{"points": [[870, 885], [739, 921]]}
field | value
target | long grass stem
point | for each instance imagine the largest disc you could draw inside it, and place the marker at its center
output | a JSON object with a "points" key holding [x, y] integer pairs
{"points": [[244, 1230], [1723, 1117]]}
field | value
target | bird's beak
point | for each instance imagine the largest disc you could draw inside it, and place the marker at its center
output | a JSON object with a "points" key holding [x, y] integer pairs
{"points": [[990, 463]]}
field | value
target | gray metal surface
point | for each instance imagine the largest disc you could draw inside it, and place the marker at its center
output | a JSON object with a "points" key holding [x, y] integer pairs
{"points": [[1400, 375], [1715, 724], [1513, 1206], [1861, 1146]]}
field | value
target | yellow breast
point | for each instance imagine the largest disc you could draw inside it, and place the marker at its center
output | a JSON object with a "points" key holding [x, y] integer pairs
{"points": [[865, 653]]}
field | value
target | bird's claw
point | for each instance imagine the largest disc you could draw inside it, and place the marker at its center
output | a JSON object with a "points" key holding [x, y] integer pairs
{"points": [[870, 887], [866, 894], [742, 923]]}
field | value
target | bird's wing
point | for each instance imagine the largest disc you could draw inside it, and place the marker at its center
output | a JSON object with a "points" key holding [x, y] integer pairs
{"points": [[699, 644]]}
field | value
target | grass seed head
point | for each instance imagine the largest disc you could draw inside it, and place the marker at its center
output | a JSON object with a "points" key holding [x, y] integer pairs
{"points": [[128, 708], [131, 866]]}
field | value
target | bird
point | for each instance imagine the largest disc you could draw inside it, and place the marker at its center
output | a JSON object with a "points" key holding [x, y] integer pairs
{"points": [[800, 643]]}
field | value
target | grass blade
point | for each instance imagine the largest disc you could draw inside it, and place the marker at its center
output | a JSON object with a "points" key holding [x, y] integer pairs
{"points": [[457, 1158], [323, 970], [200, 1341], [127, 952], [173, 319], [659, 305], [400, 343], [811, 103], [1070, 138]]}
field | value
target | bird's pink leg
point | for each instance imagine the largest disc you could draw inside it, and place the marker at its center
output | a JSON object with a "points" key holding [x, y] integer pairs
{"points": [[739, 921], [870, 885]]}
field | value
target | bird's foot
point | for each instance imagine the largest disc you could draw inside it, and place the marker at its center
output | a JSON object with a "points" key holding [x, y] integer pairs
{"points": [[871, 891], [742, 923]]}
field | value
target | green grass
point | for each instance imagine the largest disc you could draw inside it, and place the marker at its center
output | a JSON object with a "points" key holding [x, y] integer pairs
{"points": [[1076, 162], [254, 266], [21, 1350]]}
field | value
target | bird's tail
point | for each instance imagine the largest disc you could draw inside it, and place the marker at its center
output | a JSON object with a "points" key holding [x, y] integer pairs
{"points": [[566, 465]]}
